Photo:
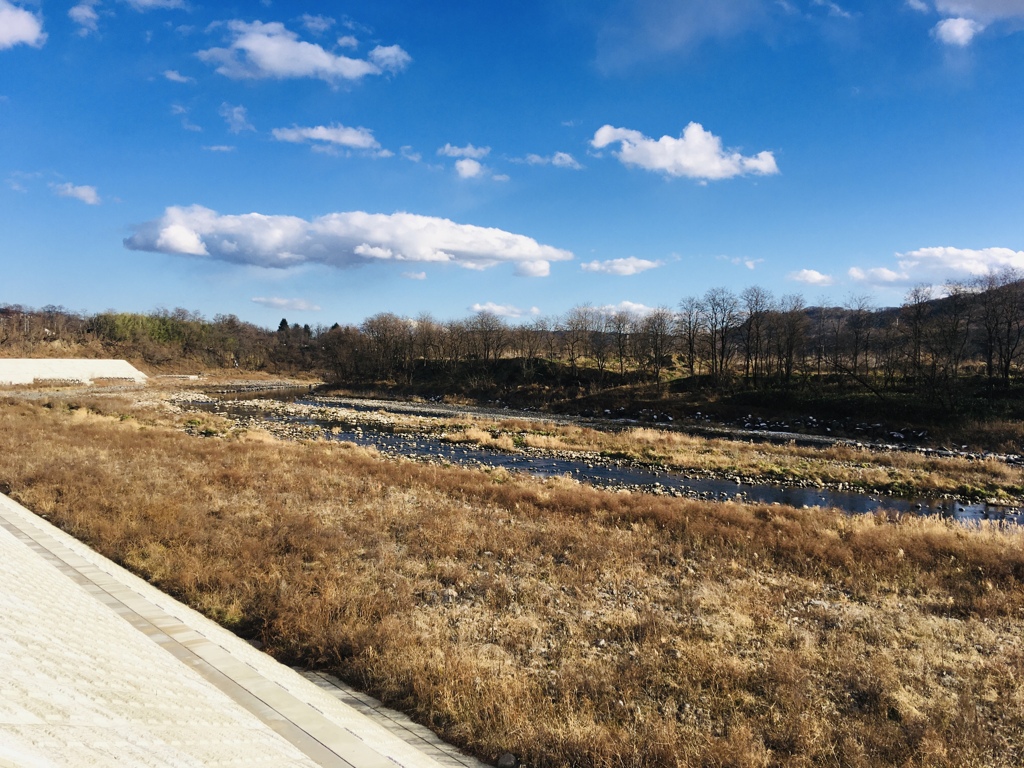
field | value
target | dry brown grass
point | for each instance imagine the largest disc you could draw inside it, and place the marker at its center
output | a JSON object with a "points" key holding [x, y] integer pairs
{"points": [[568, 625]]}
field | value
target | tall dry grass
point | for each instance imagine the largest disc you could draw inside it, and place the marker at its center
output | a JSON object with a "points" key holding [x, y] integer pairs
{"points": [[568, 625]]}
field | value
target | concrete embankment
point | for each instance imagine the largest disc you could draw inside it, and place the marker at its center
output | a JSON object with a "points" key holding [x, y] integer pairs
{"points": [[101, 669]]}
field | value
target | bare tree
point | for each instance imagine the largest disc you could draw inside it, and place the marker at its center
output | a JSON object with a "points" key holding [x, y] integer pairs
{"points": [[690, 324], [657, 334], [721, 313], [490, 336], [757, 304], [620, 326], [574, 329], [913, 323]]}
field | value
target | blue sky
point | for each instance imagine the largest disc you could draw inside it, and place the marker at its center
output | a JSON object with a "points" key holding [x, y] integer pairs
{"points": [[328, 161]]}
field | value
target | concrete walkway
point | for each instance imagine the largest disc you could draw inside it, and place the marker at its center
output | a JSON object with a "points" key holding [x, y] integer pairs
{"points": [[98, 668]]}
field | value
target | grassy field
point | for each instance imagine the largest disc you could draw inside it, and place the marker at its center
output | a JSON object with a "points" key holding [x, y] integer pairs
{"points": [[568, 625]]}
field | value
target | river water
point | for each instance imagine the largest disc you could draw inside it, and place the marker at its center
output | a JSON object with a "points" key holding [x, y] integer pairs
{"points": [[419, 446]]}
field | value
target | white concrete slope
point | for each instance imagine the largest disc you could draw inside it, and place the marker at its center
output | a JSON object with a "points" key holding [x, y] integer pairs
{"points": [[98, 668], [83, 371]]}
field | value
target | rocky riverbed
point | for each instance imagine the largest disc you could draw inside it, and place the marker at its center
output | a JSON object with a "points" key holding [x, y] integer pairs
{"points": [[429, 432]]}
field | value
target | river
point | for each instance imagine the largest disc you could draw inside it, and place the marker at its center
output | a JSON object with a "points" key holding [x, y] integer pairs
{"points": [[356, 430]]}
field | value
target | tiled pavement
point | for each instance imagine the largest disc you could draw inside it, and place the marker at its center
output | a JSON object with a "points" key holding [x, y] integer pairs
{"points": [[98, 668]]}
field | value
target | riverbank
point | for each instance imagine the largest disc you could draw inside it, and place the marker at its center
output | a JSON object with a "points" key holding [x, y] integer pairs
{"points": [[839, 466], [563, 623]]}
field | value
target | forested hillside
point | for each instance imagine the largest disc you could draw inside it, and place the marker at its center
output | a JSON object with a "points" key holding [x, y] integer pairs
{"points": [[960, 352]]}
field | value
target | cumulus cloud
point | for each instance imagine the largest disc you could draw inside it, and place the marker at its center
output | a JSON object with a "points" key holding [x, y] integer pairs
{"points": [[330, 135], [876, 275], [811, 277], [85, 193], [259, 50], [503, 310], [468, 168], [936, 265], [390, 58], [630, 307], [340, 240], [631, 265], [958, 32], [85, 16], [474, 153], [176, 77], [292, 305], [414, 275], [19, 27], [237, 118], [559, 160], [697, 154]]}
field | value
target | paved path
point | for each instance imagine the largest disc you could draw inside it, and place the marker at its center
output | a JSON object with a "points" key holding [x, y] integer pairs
{"points": [[98, 668]]}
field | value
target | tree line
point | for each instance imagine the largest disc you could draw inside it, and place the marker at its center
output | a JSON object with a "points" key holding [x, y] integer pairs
{"points": [[939, 344]]}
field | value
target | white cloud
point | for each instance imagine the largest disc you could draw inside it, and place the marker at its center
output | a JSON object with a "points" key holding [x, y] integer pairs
{"points": [[982, 10], [534, 268], [340, 240], [811, 277], [410, 154], [347, 41], [936, 265], [390, 58], [259, 50], [631, 265], [630, 307], [503, 310], [958, 32], [237, 118], [219, 148], [559, 160], [467, 168], [876, 275], [317, 24], [469, 151], [414, 275], [919, 6], [334, 135], [833, 9], [85, 193], [18, 26], [85, 16], [697, 154], [293, 305], [501, 177], [958, 262], [741, 262], [149, 5], [176, 77]]}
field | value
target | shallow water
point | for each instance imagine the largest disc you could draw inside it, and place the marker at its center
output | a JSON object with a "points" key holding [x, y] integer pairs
{"points": [[423, 446]]}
